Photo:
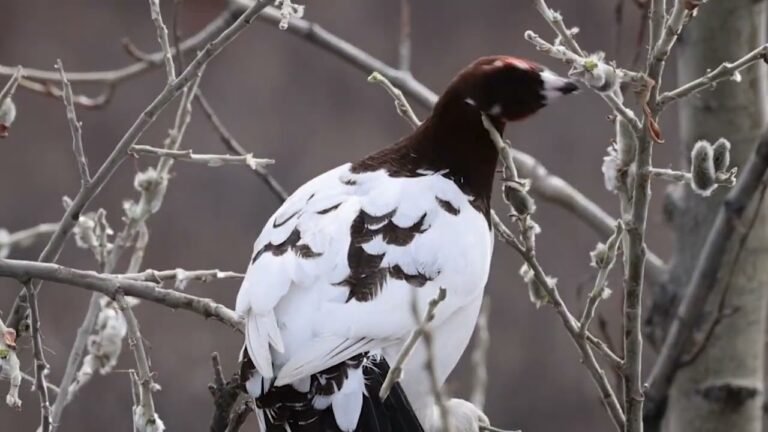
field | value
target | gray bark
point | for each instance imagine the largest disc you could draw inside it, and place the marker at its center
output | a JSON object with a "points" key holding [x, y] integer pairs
{"points": [[722, 389]]}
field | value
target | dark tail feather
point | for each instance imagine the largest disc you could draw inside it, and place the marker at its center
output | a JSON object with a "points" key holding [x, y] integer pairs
{"points": [[393, 414], [289, 407]]}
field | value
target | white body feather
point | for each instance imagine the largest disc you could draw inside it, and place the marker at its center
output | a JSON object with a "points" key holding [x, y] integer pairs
{"points": [[301, 321]]}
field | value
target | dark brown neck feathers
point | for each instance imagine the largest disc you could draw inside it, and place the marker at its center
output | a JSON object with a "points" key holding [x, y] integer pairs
{"points": [[454, 140]]}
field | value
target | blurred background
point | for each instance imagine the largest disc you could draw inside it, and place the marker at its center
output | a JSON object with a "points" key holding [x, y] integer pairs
{"points": [[284, 99]]}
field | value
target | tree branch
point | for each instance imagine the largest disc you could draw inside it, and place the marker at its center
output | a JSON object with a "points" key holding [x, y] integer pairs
{"points": [[396, 369], [74, 127], [722, 72], [211, 160], [144, 410], [162, 37], [111, 286], [41, 367]]}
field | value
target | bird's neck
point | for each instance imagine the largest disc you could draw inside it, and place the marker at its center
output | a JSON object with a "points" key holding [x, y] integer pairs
{"points": [[454, 138], [452, 141]]}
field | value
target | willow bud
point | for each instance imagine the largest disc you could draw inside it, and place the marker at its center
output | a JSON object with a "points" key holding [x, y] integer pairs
{"points": [[702, 168], [721, 156], [517, 198], [7, 116]]}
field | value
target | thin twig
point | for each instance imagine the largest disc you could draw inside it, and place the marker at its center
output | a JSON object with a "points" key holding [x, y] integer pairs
{"points": [[720, 73], [10, 86], [30, 379], [660, 51], [211, 160], [181, 275], [726, 178], [162, 37], [396, 369], [429, 346], [41, 367], [75, 127], [74, 359], [480, 357], [231, 143], [146, 384], [23, 238], [403, 108]]}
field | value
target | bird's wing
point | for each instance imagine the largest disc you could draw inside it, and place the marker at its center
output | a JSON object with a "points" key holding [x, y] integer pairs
{"points": [[347, 255]]}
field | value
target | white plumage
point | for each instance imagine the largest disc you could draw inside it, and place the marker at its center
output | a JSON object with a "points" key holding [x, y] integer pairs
{"points": [[302, 319]]}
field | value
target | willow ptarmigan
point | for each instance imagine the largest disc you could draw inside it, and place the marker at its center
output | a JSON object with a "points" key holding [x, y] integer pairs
{"points": [[328, 293]]}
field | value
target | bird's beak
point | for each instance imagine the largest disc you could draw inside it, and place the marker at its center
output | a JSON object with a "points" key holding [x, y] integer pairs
{"points": [[556, 86], [569, 87]]}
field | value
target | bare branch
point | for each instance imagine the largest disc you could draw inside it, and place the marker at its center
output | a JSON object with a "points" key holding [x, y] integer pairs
{"points": [[66, 388], [10, 87], [211, 160], [74, 127], [162, 37], [661, 50], [111, 286], [480, 356], [722, 72], [181, 275], [434, 382], [41, 367], [723, 178], [23, 238], [144, 410], [402, 106]]}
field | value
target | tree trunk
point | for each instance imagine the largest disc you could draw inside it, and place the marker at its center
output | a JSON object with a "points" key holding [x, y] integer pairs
{"points": [[722, 390]]}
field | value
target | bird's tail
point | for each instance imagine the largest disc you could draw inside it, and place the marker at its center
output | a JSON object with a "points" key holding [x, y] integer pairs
{"points": [[287, 408]]}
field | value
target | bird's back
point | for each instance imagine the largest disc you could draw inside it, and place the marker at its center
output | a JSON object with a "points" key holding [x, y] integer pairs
{"points": [[334, 274]]}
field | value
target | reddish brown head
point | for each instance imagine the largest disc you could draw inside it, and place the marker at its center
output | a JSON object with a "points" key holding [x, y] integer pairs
{"points": [[454, 141], [506, 88]]}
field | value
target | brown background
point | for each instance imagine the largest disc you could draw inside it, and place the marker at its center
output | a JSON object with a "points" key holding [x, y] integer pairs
{"points": [[286, 100]]}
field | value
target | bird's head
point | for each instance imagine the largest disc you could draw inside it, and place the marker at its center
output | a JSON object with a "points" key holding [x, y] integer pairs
{"points": [[506, 88]]}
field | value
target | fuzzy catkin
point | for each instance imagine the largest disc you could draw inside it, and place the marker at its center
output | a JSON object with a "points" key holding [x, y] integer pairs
{"points": [[703, 168], [721, 156]]}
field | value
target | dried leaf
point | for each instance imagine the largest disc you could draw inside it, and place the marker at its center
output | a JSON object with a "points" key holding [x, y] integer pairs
{"points": [[9, 337], [653, 127], [692, 5]]}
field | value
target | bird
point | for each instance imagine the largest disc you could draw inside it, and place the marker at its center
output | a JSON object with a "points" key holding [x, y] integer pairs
{"points": [[329, 291]]}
